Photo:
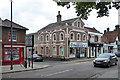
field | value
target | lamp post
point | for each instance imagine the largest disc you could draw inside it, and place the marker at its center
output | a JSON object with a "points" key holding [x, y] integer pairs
{"points": [[11, 68]]}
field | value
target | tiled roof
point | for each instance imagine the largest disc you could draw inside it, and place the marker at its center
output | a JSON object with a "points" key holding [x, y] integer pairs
{"points": [[110, 37], [92, 30], [7, 23], [55, 25]]}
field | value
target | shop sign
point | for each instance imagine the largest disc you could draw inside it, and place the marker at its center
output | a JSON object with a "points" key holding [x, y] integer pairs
{"points": [[78, 44], [72, 56]]}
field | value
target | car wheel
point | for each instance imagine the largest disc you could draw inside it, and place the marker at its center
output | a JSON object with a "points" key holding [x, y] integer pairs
{"points": [[115, 63], [95, 66], [108, 65]]}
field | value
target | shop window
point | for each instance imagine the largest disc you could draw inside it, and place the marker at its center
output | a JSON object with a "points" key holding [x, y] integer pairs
{"points": [[47, 38], [71, 36], [47, 50], [61, 36], [14, 35], [16, 54], [61, 51], [41, 50], [54, 51]]}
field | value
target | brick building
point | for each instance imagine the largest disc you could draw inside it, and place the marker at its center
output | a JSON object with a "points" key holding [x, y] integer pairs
{"points": [[112, 40], [19, 33], [63, 39]]}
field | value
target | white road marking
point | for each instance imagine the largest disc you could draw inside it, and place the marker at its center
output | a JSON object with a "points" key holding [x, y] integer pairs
{"points": [[56, 73]]}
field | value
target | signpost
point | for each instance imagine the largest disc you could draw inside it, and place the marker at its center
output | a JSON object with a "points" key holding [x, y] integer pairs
{"points": [[30, 43]]}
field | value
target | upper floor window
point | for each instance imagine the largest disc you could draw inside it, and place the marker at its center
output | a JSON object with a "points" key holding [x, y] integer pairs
{"points": [[89, 37], [71, 36], [54, 37], [47, 38], [61, 36], [84, 37], [42, 38], [14, 35], [96, 38], [78, 37], [78, 24]]}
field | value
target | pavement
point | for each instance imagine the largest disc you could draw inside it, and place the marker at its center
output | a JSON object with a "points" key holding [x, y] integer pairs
{"points": [[19, 68]]}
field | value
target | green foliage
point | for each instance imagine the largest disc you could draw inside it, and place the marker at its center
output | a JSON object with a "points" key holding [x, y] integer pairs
{"points": [[83, 9]]}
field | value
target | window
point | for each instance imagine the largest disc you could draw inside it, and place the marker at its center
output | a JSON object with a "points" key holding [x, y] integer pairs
{"points": [[16, 54], [42, 38], [47, 50], [54, 37], [78, 24], [47, 38], [78, 37], [54, 51], [61, 36], [14, 35], [96, 38], [71, 36], [61, 51], [84, 37]]}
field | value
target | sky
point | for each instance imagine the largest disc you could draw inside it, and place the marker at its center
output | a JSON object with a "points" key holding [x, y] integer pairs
{"points": [[36, 14]]}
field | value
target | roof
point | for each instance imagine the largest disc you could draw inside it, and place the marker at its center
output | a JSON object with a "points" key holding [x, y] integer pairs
{"points": [[55, 25], [7, 23], [92, 30], [110, 37]]}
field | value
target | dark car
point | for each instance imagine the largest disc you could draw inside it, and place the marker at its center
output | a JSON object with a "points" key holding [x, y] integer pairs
{"points": [[105, 59], [36, 57], [117, 54]]}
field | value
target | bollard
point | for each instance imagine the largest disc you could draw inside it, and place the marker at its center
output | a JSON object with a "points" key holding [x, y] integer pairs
{"points": [[25, 64]]}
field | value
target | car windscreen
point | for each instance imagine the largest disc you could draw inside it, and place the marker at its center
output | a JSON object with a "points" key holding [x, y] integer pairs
{"points": [[103, 56]]}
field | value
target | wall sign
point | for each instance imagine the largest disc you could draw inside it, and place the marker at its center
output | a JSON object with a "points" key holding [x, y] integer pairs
{"points": [[78, 44]]}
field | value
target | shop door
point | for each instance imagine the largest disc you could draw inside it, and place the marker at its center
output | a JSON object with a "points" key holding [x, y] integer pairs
{"points": [[22, 54]]}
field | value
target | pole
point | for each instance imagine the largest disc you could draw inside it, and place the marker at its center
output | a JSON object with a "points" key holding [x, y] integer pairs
{"points": [[32, 48], [11, 39]]}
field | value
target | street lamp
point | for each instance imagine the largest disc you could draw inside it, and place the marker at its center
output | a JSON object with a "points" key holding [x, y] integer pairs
{"points": [[11, 68]]}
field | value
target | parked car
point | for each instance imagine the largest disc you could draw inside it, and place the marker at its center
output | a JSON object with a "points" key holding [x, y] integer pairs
{"points": [[117, 54], [36, 57], [105, 59]]}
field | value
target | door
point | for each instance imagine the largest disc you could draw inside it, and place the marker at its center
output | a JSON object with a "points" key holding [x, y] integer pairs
{"points": [[22, 55]]}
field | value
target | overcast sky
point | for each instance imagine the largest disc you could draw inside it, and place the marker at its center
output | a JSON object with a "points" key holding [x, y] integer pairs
{"points": [[36, 14]]}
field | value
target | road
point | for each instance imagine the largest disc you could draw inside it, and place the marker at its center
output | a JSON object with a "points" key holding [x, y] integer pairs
{"points": [[68, 70]]}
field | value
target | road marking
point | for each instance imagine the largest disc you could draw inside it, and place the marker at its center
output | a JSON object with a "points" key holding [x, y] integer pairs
{"points": [[56, 73]]}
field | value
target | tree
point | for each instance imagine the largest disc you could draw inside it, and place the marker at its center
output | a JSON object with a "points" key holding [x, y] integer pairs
{"points": [[83, 9]]}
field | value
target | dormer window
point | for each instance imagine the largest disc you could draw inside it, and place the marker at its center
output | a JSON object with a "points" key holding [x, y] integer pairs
{"points": [[78, 24]]}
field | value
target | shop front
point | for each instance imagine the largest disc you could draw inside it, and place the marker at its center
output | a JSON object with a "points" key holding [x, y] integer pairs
{"points": [[78, 49], [18, 54], [95, 49]]}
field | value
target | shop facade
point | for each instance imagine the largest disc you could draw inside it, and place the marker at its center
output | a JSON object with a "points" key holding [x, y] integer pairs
{"points": [[78, 50], [18, 53], [18, 47]]}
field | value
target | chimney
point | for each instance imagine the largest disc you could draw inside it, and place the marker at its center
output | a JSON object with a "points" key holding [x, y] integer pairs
{"points": [[108, 29], [58, 18], [116, 27], [104, 31]]}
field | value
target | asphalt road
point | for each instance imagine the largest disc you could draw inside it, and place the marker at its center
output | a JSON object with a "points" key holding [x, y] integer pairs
{"points": [[66, 70]]}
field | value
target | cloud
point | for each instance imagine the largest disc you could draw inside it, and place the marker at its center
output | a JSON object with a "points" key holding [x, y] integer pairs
{"points": [[36, 14]]}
